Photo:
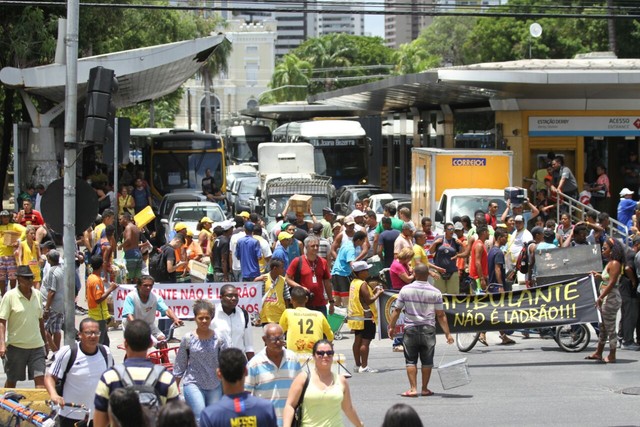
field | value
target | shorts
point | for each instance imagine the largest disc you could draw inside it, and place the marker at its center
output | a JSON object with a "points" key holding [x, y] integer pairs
{"points": [[419, 341], [8, 268], [133, 261], [341, 285], [54, 323], [17, 359], [369, 331]]}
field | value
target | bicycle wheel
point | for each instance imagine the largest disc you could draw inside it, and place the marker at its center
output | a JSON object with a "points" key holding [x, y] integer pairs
{"points": [[465, 341], [573, 338]]}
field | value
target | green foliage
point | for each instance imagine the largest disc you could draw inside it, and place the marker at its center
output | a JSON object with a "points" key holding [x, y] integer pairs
{"points": [[325, 63], [165, 111]]}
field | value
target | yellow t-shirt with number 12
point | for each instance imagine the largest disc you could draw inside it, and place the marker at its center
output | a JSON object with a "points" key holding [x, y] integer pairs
{"points": [[304, 327]]}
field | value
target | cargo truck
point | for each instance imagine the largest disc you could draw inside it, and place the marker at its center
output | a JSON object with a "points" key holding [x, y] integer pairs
{"points": [[449, 182]]}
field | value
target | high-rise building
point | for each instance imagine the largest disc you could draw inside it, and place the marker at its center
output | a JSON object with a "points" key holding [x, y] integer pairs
{"points": [[344, 22], [405, 27]]}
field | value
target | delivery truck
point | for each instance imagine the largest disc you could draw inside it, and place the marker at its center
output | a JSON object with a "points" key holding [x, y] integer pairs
{"points": [[449, 182]]}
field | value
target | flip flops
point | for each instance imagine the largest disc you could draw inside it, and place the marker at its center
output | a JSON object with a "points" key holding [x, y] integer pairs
{"points": [[426, 393], [409, 393], [592, 357], [483, 341]]}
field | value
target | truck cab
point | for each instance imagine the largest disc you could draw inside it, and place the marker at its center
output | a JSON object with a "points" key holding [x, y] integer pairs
{"points": [[465, 201]]}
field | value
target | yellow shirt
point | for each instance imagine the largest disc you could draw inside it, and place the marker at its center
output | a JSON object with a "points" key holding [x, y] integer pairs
{"points": [[30, 258], [97, 232], [273, 303], [355, 306], [323, 407], [307, 327], [23, 318], [16, 228], [419, 256]]}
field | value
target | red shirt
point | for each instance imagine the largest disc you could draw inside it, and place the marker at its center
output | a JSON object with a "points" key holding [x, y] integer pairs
{"points": [[473, 273], [307, 277], [32, 218]]}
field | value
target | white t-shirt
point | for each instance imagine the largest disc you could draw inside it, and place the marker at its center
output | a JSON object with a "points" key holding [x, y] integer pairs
{"points": [[81, 380], [519, 238], [235, 265]]}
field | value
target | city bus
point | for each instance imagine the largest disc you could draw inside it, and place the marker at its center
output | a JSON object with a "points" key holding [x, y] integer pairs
{"points": [[178, 159], [341, 147], [241, 142], [484, 139]]}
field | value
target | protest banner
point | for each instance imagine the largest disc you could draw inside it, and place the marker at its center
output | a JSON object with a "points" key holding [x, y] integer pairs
{"points": [[179, 297], [564, 303]]}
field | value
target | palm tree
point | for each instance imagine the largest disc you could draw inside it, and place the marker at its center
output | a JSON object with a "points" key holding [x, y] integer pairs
{"points": [[217, 63], [292, 73], [329, 51]]}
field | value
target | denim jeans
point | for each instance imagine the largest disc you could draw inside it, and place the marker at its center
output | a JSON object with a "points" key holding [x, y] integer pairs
{"points": [[199, 399]]}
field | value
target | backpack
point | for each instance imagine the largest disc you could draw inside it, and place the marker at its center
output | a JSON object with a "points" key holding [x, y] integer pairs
{"points": [[148, 395], [158, 265], [523, 261], [72, 358]]}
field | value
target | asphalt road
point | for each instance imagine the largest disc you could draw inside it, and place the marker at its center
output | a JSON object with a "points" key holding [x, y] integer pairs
{"points": [[531, 383]]}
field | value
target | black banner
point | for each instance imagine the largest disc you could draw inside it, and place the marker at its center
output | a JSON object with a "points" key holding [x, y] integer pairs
{"points": [[568, 302]]}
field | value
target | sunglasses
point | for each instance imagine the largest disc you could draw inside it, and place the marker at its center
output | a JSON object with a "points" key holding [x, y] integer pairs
{"points": [[323, 353]]}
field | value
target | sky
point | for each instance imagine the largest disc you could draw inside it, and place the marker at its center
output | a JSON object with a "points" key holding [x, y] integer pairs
{"points": [[374, 25]]}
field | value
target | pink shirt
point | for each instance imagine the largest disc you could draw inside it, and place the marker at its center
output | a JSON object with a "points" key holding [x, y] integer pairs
{"points": [[395, 271]]}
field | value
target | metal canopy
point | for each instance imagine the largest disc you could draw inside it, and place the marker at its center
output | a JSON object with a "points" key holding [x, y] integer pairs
{"points": [[143, 74], [526, 84], [301, 110]]}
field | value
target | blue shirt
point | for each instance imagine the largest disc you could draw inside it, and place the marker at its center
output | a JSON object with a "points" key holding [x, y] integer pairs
{"points": [[346, 254], [239, 410], [281, 253], [248, 253], [293, 250], [626, 208]]}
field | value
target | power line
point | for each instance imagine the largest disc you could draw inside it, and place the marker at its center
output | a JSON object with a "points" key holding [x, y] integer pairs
{"points": [[431, 11]]}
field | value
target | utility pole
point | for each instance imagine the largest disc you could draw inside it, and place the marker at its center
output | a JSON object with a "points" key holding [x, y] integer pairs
{"points": [[70, 152]]}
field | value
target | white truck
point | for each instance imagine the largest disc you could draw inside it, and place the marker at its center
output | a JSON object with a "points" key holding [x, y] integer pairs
{"points": [[286, 169], [454, 182]]}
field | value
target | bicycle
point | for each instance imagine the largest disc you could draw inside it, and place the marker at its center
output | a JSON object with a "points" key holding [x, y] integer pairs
{"points": [[10, 402]]}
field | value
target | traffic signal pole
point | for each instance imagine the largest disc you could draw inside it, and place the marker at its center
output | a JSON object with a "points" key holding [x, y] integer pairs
{"points": [[70, 157]]}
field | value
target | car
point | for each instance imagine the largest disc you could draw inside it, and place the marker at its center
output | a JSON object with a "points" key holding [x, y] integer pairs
{"points": [[348, 194], [191, 213], [377, 201], [171, 199], [232, 194], [246, 196]]}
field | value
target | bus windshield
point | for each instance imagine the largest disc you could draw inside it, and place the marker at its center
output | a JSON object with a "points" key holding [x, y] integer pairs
{"points": [[175, 170]]}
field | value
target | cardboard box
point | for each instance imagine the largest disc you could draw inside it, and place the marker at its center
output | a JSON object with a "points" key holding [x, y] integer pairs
{"points": [[9, 238], [300, 203]]}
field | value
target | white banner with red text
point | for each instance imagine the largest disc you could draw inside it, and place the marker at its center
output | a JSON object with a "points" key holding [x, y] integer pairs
{"points": [[179, 297]]}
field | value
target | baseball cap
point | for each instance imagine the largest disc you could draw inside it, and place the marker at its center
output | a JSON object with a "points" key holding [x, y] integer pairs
{"points": [[284, 235], [249, 226], [518, 218], [548, 233], [227, 225], [328, 210], [179, 226], [284, 226], [5, 212], [349, 220], [279, 217], [336, 224], [24, 271], [360, 266], [625, 192], [317, 227], [458, 226], [356, 213], [206, 219], [244, 214], [537, 230]]}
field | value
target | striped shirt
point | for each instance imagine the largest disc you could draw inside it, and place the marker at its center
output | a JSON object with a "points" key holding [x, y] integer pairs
{"points": [[268, 381], [420, 301], [138, 370]]}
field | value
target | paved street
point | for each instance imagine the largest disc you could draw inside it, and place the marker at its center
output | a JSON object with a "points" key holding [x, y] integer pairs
{"points": [[530, 383]]}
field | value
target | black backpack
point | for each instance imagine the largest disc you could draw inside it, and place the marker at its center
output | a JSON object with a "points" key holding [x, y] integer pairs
{"points": [[158, 265], [72, 358], [523, 261], [148, 395]]}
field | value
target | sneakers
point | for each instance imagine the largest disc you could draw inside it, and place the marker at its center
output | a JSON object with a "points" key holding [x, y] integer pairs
{"points": [[631, 347], [367, 370], [356, 369]]}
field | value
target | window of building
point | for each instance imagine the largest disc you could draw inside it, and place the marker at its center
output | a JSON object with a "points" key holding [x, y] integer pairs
{"points": [[251, 70]]}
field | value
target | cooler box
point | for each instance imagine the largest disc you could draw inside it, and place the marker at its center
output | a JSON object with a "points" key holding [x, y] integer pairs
{"points": [[144, 217], [516, 195], [300, 203]]}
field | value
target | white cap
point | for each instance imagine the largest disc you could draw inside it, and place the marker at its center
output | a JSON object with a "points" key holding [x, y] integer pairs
{"points": [[356, 213], [518, 218], [625, 192]]}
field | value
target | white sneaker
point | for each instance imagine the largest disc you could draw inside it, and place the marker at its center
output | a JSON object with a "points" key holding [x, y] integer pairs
{"points": [[367, 369]]}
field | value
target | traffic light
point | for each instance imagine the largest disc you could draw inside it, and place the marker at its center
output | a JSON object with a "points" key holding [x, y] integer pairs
{"points": [[100, 110]]}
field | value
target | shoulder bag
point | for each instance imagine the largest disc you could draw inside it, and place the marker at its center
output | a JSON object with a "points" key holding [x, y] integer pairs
{"points": [[297, 416]]}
